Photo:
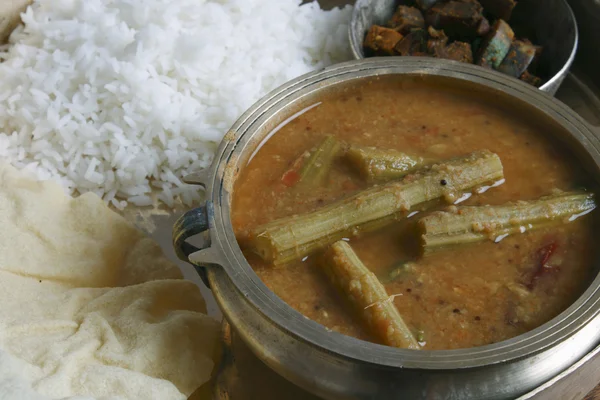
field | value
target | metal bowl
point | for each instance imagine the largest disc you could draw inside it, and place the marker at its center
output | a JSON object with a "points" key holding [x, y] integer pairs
{"points": [[332, 365], [550, 23]]}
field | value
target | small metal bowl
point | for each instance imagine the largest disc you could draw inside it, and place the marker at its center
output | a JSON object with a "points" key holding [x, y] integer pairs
{"points": [[550, 23]]}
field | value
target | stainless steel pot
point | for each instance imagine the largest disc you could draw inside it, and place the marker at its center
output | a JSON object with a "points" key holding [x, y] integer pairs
{"points": [[335, 366], [551, 23]]}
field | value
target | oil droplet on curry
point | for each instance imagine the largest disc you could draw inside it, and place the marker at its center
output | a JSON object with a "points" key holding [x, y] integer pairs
{"points": [[416, 214]]}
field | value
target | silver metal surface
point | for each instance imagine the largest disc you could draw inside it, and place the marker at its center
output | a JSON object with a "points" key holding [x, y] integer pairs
{"points": [[573, 383], [550, 23], [336, 366]]}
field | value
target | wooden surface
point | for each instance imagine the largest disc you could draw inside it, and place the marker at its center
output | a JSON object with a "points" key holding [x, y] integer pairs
{"points": [[594, 394]]}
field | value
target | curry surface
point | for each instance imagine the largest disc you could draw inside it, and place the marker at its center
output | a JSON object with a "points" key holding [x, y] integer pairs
{"points": [[465, 297]]}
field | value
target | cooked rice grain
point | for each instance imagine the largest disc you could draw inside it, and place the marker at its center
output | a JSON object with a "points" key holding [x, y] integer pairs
{"points": [[124, 97]]}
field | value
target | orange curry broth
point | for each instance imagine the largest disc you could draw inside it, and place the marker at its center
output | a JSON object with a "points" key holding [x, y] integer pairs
{"points": [[464, 297]]}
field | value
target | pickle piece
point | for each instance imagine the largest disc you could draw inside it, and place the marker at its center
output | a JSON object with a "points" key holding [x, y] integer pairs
{"points": [[437, 40], [484, 27], [499, 8], [405, 19], [457, 51], [496, 45], [531, 79], [425, 4], [412, 44], [401, 269], [380, 41], [517, 60], [458, 19]]}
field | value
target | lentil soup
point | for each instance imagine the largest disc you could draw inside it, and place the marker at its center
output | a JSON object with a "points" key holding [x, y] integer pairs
{"points": [[480, 292]]}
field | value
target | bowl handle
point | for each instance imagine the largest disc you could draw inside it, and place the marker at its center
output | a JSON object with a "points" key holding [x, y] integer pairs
{"points": [[190, 224]]}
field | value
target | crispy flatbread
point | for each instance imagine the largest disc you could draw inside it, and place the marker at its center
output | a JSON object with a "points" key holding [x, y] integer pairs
{"points": [[89, 305]]}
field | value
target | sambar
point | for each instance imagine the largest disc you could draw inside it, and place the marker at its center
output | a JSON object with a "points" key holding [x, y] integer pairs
{"points": [[461, 297]]}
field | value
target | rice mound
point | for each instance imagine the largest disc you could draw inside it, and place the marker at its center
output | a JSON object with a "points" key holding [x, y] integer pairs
{"points": [[124, 97]]}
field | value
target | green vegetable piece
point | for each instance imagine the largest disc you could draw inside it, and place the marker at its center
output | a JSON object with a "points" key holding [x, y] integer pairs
{"points": [[400, 269], [297, 236], [316, 168], [470, 224], [421, 336], [375, 164], [368, 296]]}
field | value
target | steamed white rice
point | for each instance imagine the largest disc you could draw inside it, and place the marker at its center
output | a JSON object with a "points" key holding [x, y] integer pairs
{"points": [[124, 97]]}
